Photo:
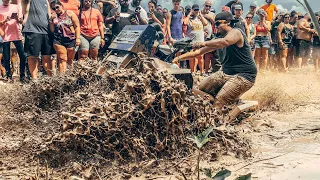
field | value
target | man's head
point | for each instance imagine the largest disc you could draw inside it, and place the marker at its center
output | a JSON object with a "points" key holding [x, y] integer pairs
{"points": [[268, 1], [222, 22], [124, 3], [307, 17], [87, 3], [187, 10], [136, 2], [176, 4], [195, 10], [5, 2], [151, 6], [225, 8], [238, 10], [159, 9], [253, 8], [207, 6]]}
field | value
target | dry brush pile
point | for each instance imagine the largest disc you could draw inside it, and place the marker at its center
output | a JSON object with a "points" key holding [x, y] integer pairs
{"points": [[126, 114]]}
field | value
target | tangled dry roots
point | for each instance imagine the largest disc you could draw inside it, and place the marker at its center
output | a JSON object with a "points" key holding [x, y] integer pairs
{"points": [[128, 114]]}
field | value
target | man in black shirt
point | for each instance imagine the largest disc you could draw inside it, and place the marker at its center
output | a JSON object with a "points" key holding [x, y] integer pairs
{"points": [[238, 72], [232, 5], [274, 49]]}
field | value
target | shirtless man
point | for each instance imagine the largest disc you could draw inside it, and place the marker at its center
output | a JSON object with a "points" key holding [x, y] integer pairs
{"points": [[304, 35]]}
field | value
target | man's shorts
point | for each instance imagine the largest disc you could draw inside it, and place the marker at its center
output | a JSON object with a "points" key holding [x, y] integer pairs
{"points": [[303, 48], [1, 48], [316, 52], [37, 43], [225, 88], [262, 42]]}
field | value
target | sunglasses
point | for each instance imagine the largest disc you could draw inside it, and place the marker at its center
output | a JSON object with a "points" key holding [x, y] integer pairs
{"points": [[217, 23], [55, 8], [208, 6], [196, 10], [248, 17], [286, 17]]}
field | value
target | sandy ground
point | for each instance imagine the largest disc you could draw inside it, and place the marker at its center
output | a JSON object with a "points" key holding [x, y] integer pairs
{"points": [[285, 135]]}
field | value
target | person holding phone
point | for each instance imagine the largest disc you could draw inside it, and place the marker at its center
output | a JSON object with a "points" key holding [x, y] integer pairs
{"points": [[12, 14], [66, 32]]}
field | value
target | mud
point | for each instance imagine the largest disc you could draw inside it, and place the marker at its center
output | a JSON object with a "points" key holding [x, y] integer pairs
{"points": [[284, 137]]}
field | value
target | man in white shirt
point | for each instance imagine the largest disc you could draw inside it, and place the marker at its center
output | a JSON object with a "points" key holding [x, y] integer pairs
{"points": [[135, 6]]}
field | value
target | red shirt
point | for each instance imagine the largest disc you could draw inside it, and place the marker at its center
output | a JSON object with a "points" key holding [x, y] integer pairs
{"points": [[71, 5], [89, 22]]}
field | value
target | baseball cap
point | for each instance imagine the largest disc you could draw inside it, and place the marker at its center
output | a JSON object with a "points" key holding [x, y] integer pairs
{"points": [[195, 7], [187, 7], [262, 12], [237, 7], [253, 5], [224, 15]]}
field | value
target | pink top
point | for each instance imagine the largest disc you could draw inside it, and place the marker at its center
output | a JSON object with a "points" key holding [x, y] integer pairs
{"points": [[11, 28]]}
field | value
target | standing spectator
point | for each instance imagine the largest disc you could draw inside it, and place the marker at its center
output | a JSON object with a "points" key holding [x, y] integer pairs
{"points": [[185, 20], [174, 22], [196, 23], [66, 31], [304, 35], [292, 51], [36, 29], [153, 15], [262, 40], [274, 49], [253, 10], [107, 5], [209, 16], [316, 47], [242, 24], [71, 5], [270, 9], [159, 9], [285, 33], [2, 70], [142, 16], [92, 32], [252, 30], [165, 12], [12, 33], [119, 18], [232, 5]]}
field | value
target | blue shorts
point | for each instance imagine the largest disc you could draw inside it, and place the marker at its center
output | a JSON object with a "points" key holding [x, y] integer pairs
{"points": [[262, 42]]}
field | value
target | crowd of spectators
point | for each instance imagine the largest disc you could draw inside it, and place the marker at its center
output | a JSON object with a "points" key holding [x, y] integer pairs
{"points": [[34, 30]]}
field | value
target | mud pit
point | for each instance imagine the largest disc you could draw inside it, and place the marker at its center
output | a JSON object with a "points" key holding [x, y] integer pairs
{"points": [[42, 140]]}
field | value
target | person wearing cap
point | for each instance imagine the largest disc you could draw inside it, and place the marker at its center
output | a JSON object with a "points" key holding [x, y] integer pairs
{"points": [[238, 72], [270, 9], [252, 30], [262, 40], [196, 23], [253, 10], [209, 33], [303, 42], [232, 5], [241, 24]]}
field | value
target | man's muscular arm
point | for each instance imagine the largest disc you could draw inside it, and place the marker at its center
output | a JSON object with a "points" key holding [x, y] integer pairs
{"points": [[302, 25], [233, 37]]}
